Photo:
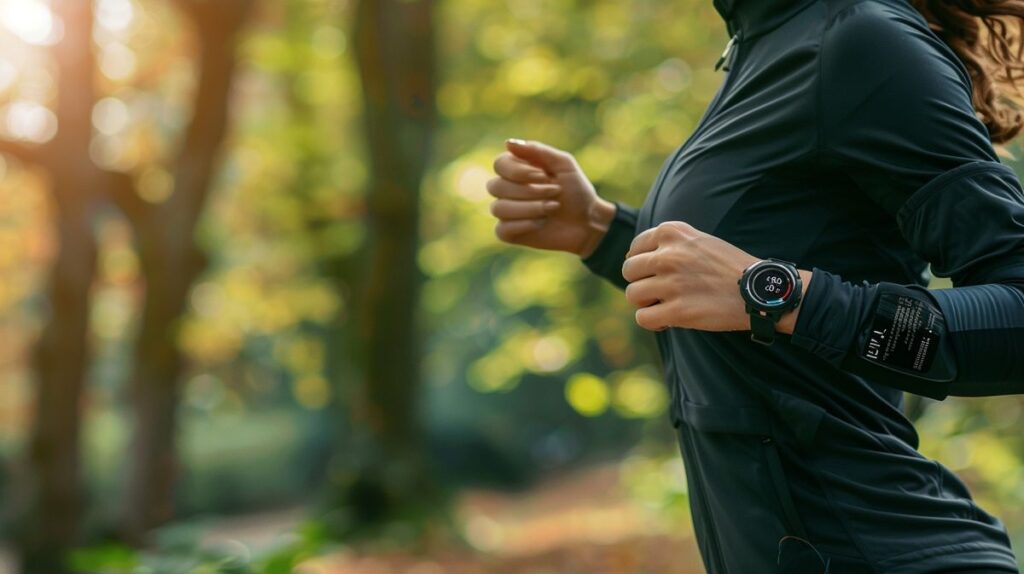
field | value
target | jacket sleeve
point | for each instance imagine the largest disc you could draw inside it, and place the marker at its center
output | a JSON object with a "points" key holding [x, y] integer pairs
{"points": [[897, 119], [608, 257]]}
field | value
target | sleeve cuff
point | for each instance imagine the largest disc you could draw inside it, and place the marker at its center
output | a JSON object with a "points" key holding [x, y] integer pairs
{"points": [[829, 316], [835, 319], [607, 258]]}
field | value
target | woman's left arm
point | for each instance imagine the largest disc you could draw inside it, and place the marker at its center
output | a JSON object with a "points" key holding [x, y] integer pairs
{"points": [[896, 117], [968, 340]]}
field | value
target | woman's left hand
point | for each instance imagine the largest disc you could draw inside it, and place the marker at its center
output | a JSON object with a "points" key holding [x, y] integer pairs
{"points": [[682, 277]]}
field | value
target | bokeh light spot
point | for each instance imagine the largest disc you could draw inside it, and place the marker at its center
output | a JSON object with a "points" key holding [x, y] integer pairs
{"points": [[472, 183], [155, 185], [31, 121], [110, 116], [31, 21], [587, 394], [117, 61], [115, 15], [638, 395], [550, 353]]}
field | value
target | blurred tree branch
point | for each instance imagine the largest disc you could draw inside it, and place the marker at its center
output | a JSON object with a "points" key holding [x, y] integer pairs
{"points": [[171, 262]]}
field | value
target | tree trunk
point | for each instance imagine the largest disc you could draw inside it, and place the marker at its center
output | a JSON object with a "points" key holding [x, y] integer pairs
{"points": [[394, 42], [62, 353], [171, 262], [155, 392]]}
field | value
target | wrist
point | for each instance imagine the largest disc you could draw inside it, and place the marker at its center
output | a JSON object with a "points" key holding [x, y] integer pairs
{"points": [[599, 220], [787, 322]]}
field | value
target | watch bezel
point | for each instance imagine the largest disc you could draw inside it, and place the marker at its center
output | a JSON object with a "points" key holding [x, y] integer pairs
{"points": [[754, 302]]}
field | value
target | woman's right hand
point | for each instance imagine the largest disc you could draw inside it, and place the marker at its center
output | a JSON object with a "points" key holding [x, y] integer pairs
{"points": [[544, 200]]}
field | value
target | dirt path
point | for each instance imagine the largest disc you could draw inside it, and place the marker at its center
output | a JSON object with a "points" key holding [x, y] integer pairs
{"points": [[580, 524]]}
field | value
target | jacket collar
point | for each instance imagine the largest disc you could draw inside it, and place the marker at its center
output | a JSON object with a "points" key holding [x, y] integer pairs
{"points": [[751, 18]]}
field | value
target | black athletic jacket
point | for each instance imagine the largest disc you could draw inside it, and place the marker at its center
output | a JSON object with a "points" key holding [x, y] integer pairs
{"points": [[842, 138]]}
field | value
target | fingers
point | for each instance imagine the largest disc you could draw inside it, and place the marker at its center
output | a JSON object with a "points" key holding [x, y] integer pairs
{"points": [[644, 242], [508, 231], [653, 312], [650, 239], [643, 293], [517, 170], [542, 155], [639, 267], [507, 209], [654, 318], [504, 189]]}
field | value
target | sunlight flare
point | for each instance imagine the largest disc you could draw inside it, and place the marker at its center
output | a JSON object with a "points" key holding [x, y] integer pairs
{"points": [[31, 20]]}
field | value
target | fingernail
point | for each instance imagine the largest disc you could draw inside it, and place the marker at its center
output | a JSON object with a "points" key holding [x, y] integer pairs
{"points": [[538, 177], [550, 206], [516, 141]]}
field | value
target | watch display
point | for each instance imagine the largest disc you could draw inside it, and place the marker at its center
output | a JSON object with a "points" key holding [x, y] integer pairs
{"points": [[770, 288]]}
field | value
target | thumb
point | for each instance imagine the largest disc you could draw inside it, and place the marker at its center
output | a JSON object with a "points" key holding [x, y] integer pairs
{"points": [[550, 159]]}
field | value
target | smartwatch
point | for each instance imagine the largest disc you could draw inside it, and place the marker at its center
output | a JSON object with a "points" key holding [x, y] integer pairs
{"points": [[771, 288]]}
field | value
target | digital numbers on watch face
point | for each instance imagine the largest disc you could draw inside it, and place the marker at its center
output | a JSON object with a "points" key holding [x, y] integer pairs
{"points": [[771, 285]]}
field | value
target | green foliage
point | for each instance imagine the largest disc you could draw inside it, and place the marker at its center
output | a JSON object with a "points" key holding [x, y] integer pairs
{"points": [[174, 558], [180, 550]]}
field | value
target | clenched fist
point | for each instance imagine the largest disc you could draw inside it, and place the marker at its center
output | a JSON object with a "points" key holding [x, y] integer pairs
{"points": [[544, 200], [680, 276]]}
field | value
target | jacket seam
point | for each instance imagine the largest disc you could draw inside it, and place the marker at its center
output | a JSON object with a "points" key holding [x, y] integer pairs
{"points": [[941, 182]]}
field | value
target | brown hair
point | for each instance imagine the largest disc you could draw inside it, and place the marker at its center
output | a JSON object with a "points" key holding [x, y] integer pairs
{"points": [[986, 34]]}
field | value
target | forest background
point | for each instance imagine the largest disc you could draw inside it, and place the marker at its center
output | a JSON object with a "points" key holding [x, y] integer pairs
{"points": [[254, 317]]}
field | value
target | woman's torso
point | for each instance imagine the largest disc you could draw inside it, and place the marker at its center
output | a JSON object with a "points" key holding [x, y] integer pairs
{"points": [[775, 439]]}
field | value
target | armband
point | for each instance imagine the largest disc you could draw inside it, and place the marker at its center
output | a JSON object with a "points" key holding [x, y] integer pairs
{"points": [[906, 333]]}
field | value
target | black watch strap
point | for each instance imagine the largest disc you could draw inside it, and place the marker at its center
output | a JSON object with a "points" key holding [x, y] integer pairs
{"points": [[762, 327]]}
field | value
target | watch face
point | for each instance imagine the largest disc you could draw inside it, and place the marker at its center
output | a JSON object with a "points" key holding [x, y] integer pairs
{"points": [[771, 285]]}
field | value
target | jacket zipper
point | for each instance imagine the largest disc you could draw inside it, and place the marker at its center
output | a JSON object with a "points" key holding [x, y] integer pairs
{"points": [[729, 54]]}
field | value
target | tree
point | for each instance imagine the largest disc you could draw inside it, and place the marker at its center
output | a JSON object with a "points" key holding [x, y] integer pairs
{"points": [[171, 262], [62, 352], [395, 53]]}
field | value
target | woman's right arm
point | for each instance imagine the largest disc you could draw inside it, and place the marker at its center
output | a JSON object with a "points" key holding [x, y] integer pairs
{"points": [[544, 200]]}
